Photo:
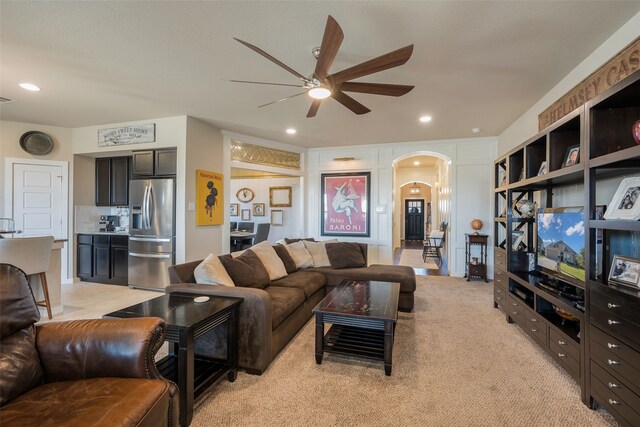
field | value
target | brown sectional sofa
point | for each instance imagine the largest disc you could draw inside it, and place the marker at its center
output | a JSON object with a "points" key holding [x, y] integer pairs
{"points": [[270, 317]]}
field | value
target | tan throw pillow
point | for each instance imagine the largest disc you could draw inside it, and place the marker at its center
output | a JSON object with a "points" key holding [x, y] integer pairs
{"points": [[345, 255], [300, 255], [270, 260], [319, 252], [247, 270], [236, 254], [212, 272]]}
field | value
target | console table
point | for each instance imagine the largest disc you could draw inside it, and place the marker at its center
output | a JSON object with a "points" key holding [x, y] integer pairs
{"points": [[476, 267]]}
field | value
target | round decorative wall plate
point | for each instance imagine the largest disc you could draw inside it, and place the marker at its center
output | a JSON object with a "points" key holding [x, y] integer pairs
{"points": [[36, 143], [245, 195]]}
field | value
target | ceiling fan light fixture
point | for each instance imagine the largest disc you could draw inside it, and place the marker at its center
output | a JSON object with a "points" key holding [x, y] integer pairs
{"points": [[319, 93]]}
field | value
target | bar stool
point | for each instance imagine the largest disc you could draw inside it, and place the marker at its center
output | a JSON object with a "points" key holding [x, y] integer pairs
{"points": [[32, 255]]}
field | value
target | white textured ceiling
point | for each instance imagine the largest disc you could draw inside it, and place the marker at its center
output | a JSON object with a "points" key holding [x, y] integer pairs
{"points": [[475, 64]]}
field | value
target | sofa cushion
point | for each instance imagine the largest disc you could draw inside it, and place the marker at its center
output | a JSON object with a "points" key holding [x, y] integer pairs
{"points": [[345, 255], [211, 272], [247, 270], [318, 252], [270, 260], [403, 274], [284, 301], [307, 281], [283, 253], [112, 401], [300, 254], [289, 241], [19, 364]]}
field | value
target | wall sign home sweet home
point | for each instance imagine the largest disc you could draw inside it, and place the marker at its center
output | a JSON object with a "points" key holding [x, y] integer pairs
{"points": [[127, 135], [618, 68]]}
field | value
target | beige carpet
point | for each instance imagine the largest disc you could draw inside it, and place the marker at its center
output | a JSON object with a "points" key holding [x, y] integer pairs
{"points": [[413, 258], [456, 363]]}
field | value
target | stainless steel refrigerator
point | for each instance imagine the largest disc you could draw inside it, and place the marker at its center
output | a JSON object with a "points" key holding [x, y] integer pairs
{"points": [[152, 235]]}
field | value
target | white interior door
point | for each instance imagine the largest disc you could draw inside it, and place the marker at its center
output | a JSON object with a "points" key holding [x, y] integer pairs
{"points": [[38, 199]]}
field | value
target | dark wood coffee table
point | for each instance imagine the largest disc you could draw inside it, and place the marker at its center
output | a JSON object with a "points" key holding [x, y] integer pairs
{"points": [[187, 320], [363, 316]]}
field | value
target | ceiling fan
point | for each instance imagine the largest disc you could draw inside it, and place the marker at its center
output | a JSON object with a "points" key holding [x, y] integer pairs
{"points": [[321, 84]]}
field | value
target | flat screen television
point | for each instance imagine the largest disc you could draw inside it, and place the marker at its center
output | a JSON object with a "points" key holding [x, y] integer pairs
{"points": [[560, 243]]}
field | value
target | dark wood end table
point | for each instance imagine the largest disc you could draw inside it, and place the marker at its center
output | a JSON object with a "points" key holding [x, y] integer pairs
{"points": [[187, 320], [363, 315]]}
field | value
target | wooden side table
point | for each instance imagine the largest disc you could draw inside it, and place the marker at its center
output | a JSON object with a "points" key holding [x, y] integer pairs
{"points": [[476, 267]]}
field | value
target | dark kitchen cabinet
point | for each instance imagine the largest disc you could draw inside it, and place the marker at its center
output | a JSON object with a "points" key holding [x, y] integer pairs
{"points": [[103, 258], [154, 163], [112, 181]]}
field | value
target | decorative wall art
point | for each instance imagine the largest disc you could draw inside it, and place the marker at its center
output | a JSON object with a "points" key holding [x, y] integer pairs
{"points": [[280, 197], [345, 204], [625, 204], [245, 214], [245, 195], [127, 135], [277, 217], [234, 209], [258, 209], [209, 198]]}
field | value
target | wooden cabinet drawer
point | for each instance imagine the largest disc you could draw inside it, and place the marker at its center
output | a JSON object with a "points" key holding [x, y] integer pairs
{"points": [[499, 295], [564, 344], [500, 278], [120, 241], [500, 259], [100, 240], [620, 359], [85, 239], [611, 304], [613, 324], [516, 311], [565, 358], [536, 328], [614, 395]]}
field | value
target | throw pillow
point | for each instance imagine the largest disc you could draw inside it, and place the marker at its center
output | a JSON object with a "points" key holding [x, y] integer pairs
{"points": [[345, 255], [247, 270], [236, 254], [319, 252], [212, 272], [289, 263], [270, 260], [289, 241], [300, 255]]}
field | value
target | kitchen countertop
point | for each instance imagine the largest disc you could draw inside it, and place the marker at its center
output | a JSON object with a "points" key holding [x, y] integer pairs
{"points": [[107, 233]]}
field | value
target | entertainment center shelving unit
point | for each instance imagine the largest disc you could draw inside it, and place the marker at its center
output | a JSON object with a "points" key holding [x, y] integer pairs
{"points": [[601, 349]]}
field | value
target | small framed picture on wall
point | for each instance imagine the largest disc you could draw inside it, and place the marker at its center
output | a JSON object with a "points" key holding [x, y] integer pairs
{"points": [[277, 217], [258, 209], [246, 214], [233, 209]]}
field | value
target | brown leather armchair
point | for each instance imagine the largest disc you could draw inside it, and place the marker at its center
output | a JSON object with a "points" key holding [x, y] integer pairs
{"points": [[78, 373]]}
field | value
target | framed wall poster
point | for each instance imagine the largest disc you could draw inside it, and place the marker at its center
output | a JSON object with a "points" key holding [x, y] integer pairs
{"points": [[234, 209], [127, 135], [258, 209], [277, 217], [345, 204], [246, 215], [280, 197], [572, 157], [209, 198], [625, 271], [625, 204]]}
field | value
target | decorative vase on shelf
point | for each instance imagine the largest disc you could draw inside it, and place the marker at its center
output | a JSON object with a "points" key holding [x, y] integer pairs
{"points": [[526, 208], [636, 131]]}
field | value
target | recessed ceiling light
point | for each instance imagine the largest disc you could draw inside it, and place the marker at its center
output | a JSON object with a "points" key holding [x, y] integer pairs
{"points": [[29, 86], [416, 163], [291, 131], [476, 130], [425, 119]]}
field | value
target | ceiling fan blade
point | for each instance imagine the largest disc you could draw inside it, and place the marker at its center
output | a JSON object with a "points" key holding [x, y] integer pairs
{"points": [[350, 103], [314, 108], [376, 88], [383, 62], [331, 42], [261, 83], [271, 58], [282, 99]]}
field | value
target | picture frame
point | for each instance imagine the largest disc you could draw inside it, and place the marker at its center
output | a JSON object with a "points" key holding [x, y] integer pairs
{"points": [[280, 197], [543, 168], [345, 204], [521, 174], [234, 209], [245, 214], [517, 236], [625, 203], [503, 182], [625, 271], [277, 217], [258, 209], [572, 156], [210, 198]]}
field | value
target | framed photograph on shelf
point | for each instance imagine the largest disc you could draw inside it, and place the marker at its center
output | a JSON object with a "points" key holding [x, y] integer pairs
{"points": [[277, 217], [234, 209], [345, 204], [521, 174], [625, 271], [246, 215], [572, 157], [543, 168], [517, 236], [258, 209], [625, 204], [280, 197], [503, 182]]}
